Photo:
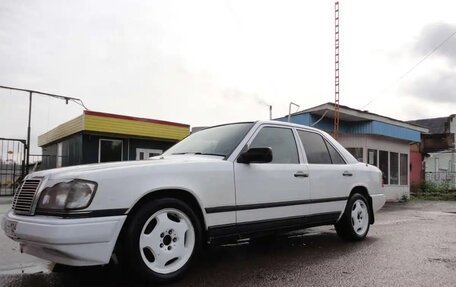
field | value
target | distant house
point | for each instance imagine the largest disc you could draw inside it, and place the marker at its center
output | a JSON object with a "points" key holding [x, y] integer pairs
{"points": [[438, 149], [95, 137], [371, 138]]}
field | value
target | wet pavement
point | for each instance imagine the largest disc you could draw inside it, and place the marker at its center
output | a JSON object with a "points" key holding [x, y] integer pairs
{"points": [[412, 244]]}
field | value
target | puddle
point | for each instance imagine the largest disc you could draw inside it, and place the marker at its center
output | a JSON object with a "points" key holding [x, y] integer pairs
{"points": [[25, 269]]}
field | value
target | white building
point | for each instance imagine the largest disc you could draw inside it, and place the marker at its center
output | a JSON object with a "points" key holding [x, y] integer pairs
{"points": [[374, 139], [439, 149]]}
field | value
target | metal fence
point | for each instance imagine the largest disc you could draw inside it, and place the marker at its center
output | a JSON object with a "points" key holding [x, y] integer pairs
{"points": [[12, 164]]}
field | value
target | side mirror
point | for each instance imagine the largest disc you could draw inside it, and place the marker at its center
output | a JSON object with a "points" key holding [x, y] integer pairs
{"points": [[256, 155]]}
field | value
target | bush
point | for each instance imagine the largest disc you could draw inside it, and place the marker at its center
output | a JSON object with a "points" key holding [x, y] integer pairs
{"points": [[431, 187], [429, 190]]}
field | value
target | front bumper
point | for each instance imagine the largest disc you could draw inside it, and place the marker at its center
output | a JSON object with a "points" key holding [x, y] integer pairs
{"points": [[77, 242]]}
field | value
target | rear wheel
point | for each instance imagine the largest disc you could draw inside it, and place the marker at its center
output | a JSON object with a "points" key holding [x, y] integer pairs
{"points": [[355, 222], [161, 240]]}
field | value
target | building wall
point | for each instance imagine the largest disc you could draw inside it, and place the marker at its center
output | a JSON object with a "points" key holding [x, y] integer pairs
{"points": [[368, 127], [135, 144], [71, 148], [453, 128], [416, 165], [453, 124], [91, 147], [444, 161], [392, 191], [129, 146], [441, 167]]}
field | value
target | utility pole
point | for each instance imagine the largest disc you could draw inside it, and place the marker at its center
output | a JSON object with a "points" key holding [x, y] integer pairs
{"points": [[31, 92], [336, 70], [27, 156], [289, 110]]}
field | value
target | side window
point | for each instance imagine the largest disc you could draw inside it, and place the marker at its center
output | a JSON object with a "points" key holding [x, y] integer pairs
{"points": [[281, 141], [335, 156], [315, 147]]}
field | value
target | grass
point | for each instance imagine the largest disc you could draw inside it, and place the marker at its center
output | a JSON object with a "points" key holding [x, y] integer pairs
{"points": [[434, 196], [428, 190]]}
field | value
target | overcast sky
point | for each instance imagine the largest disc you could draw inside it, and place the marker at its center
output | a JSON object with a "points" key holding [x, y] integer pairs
{"points": [[210, 62]]}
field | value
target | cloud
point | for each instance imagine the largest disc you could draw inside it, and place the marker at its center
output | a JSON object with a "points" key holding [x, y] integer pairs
{"points": [[433, 34], [439, 86], [438, 82]]}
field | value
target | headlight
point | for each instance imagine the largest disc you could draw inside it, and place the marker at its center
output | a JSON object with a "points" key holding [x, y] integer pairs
{"points": [[76, 194]]}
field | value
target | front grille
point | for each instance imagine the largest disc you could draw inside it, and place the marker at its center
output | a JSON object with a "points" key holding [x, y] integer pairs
{"points": [[24, 197]]}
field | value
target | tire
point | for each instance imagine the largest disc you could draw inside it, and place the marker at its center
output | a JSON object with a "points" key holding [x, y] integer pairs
{"points": [[355, 222], [161, 240]]}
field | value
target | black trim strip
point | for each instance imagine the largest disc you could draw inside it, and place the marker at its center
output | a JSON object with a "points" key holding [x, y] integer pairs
{"points": [[268, 225], [83, 213], [272, 204]]}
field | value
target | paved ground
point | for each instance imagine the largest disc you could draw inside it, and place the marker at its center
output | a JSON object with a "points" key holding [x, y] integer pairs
{"points": [[411, 244]]}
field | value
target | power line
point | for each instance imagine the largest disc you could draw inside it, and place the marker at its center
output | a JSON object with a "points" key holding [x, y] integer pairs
{"points": [[413, 67]]}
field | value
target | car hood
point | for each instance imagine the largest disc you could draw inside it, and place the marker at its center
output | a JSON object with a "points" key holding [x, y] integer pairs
{"points": [[70, 172]]}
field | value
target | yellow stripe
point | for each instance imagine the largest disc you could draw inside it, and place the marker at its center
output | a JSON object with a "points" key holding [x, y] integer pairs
{"points": [[73, 126], [134, 128]]}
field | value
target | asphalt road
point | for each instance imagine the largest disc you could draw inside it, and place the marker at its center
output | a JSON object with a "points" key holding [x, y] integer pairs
{"points": [[411, 244]]}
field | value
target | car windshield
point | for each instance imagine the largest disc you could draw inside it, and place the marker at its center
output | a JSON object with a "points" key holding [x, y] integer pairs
{"points": [[219, 140]]}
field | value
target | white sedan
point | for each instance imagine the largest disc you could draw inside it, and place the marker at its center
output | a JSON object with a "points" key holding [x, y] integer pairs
{"points": [[224, 183]]}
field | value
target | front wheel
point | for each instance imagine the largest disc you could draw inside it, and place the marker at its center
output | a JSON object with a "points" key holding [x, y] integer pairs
{"points": [[161, 240], [354, 223]]}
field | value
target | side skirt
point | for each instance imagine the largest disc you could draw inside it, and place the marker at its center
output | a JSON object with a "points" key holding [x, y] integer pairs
{"points": [[228, 232]]}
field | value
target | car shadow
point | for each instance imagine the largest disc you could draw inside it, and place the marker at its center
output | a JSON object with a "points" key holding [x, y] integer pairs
{"points": [[267, 259]]}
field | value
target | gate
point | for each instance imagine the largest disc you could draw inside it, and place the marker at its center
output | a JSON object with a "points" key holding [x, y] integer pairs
{"points": [[12, 164]]}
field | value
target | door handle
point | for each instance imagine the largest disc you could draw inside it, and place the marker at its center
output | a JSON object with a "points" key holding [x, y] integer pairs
{"points": [[347, 173], [301, 174]]}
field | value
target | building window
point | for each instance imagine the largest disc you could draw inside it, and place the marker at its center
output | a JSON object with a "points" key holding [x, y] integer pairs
{"points": [[357, 152], [404, 169], [59, 154], [394, 168], [142, 153], [110, 150], [383, 165], [372, 157]]}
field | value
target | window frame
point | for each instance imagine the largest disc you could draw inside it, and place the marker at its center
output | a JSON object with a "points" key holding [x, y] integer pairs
{"points": [[388, 176], [326, 142], [257, 131], [355, 148], [391, 162], [407, 165], [337, 151], [376, 156], [110, 140]]}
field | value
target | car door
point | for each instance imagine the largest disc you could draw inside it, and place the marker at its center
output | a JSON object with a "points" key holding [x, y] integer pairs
{"points": [[329, 175], [278, 189]]}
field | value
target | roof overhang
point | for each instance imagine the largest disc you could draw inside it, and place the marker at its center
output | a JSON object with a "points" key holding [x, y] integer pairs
{"points": [[114, 124], [353, 115]]}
